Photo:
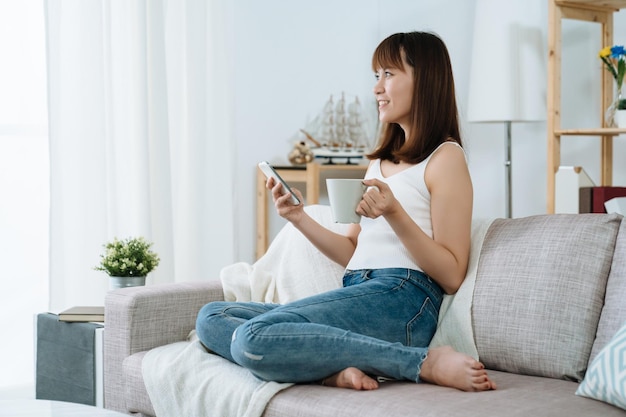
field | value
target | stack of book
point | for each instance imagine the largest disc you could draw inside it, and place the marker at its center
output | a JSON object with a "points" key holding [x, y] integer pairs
{"points": [[83, 314]]}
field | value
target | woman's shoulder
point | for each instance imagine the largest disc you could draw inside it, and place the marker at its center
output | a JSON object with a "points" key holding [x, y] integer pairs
{"points": [[449, 141], [449, 149], [449, 157]]}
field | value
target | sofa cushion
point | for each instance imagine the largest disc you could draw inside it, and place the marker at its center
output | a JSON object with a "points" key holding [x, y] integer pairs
{"points": [[516, 396], [605, 378], [539, 292], [614, 311]]}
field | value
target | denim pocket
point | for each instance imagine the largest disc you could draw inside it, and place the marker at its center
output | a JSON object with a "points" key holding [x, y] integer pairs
{"points": [[421, 328], [355, 277]]}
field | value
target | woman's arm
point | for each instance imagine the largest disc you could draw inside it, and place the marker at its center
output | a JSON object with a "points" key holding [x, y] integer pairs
{"points": [[335, 246], [444, 257]]}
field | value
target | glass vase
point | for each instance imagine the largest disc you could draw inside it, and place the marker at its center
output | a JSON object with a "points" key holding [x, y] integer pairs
{"points": [[609, 115]]}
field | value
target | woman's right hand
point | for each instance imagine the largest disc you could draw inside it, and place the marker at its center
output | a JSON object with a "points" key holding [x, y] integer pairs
{"points": [[284, 207], [337, 247]]}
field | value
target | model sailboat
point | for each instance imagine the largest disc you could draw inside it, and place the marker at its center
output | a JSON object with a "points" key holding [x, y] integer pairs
{"points": [[338, 133]]}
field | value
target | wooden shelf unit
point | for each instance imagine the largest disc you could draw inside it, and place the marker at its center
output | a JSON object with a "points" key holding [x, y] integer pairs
{"points": [[597, 11]]}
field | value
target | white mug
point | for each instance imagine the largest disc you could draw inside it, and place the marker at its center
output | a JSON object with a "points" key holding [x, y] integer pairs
{"points": [[344, 195]]}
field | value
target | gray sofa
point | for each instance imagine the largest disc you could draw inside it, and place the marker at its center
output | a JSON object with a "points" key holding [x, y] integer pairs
{"points": [[549, 295]]}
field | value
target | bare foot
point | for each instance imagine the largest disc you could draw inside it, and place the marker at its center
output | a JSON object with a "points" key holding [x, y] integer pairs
{"points": [[449, 368], [351, 378]]}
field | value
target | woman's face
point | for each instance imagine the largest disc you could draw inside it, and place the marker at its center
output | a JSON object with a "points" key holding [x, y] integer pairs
{"points": [[394, 94]]}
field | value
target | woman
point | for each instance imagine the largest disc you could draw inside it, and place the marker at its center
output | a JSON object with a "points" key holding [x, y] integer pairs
{"points": [[411, 247]]}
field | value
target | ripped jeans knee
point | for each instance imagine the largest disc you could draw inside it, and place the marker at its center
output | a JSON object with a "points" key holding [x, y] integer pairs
{"points": [[261, 345], [248, 350]]}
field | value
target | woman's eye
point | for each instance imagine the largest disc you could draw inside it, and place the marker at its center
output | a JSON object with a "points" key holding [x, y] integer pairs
{"points": [[386, 74]]}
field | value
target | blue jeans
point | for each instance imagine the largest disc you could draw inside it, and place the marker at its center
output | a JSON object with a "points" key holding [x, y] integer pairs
{"points": [[380, 322]]}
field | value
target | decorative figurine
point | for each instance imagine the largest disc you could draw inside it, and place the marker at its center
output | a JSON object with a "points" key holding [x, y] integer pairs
{"points": [[301, 153]]}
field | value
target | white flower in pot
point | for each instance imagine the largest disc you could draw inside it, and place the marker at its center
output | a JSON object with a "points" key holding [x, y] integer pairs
{"points": [[128, 261]]}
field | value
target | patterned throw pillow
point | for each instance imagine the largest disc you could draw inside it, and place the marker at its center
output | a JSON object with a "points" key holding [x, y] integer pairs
{"points": [[606, 377]]}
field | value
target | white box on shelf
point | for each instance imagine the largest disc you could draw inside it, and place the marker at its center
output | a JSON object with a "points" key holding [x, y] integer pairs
{"points": [[568, 182]]}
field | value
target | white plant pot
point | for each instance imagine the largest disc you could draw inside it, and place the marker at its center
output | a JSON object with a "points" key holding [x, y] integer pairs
{"points": [[123, 282], [620, 119]]}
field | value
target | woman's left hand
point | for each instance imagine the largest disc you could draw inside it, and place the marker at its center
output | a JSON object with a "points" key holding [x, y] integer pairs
{"points": [[378, 200]]}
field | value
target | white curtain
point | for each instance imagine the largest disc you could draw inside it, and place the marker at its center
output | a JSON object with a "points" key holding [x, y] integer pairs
{"points": [[140, 124]]}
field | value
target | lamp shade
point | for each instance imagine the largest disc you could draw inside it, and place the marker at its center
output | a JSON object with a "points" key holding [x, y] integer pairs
{"points": [[508, 69]]}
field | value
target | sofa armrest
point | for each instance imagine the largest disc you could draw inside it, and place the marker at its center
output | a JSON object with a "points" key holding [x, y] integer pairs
{"points": [[141, 318]]}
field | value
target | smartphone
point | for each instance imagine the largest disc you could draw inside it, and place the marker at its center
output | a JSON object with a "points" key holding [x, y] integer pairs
{"points": [[270, 172]]}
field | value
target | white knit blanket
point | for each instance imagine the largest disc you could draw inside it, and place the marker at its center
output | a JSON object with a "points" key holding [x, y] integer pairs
{"points": [[291, 269], [182, 379], [455, 316]]}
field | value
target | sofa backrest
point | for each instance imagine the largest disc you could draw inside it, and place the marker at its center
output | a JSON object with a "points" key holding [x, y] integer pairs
{"points": [[614, 312], [539, 292]]}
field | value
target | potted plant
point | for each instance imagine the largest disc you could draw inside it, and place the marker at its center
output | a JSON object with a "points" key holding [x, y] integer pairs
{"points": [[127, 261]]}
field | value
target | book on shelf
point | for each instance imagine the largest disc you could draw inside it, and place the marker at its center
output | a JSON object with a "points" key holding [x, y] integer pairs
{"points": [[83, 313], [592, 199]]}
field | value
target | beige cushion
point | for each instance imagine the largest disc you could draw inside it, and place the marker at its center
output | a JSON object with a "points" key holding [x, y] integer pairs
{"points": [[540, 290], [516, 396]]}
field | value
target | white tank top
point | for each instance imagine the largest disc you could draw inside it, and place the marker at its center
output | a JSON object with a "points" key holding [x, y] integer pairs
{"points": [[378, 245]]}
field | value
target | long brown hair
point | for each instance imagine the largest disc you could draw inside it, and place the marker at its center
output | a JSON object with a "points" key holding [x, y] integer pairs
{"points": [[434, 114]]}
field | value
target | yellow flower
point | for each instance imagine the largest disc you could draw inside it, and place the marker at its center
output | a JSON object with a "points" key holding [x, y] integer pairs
{"points": [[614, 58], [604, 52]]}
